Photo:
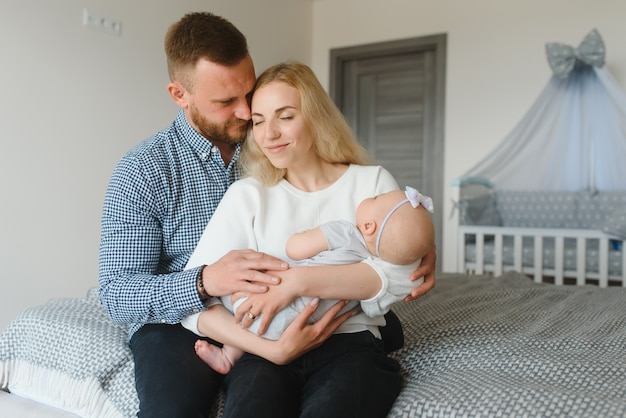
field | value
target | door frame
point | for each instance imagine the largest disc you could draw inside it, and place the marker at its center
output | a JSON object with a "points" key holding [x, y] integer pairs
{"points": [[437, 44]]}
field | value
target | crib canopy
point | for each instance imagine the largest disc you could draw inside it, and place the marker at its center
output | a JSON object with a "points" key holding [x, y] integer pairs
{"points": [[574, 135]]}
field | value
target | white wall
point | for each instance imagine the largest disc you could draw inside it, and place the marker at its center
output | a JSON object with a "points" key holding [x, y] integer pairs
{"points": [[73, 101], [496, 63]]}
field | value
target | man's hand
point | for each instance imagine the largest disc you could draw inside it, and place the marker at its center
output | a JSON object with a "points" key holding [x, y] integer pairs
{"points": [[241, 271], [427, 270], [300, 336]]}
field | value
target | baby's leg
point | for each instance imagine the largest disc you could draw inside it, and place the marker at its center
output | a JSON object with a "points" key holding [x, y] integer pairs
{"points": [[220, 359]]}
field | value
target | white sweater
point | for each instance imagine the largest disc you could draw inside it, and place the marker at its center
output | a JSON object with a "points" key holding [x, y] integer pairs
{"points": [[252, 216]]}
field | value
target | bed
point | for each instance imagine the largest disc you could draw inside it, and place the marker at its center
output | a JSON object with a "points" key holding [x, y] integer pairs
{"points": [[475, 346]]}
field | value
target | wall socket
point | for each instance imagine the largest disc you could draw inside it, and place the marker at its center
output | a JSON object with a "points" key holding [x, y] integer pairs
{"points": [[102, 23]]}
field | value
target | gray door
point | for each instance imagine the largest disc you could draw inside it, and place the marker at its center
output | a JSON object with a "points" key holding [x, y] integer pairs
{"points": [[392, 96]]}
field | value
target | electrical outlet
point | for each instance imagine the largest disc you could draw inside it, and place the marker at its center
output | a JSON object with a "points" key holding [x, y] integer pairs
{"points": [[102, 23]]}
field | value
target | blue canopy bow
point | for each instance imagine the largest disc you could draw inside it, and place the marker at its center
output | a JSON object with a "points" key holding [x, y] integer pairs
{"points": [[563, 58]]}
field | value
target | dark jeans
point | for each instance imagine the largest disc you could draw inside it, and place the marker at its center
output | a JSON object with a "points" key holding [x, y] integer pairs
{"points": [[348, 376], [170, 378], [172, 381], [392, 333]]}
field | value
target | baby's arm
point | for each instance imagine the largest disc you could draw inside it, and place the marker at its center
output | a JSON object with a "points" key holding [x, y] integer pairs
{"points": [[306, 244]]}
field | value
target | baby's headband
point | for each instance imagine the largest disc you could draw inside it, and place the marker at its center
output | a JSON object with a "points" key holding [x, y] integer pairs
{"points": [[413, 197]]}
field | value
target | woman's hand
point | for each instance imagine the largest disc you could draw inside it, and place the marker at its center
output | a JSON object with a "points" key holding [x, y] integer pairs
{"points": [[264, 305], [427, 270], [300, 336]]}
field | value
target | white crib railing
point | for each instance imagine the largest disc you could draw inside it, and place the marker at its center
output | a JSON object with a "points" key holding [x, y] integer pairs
{"points": [[479, 235]]}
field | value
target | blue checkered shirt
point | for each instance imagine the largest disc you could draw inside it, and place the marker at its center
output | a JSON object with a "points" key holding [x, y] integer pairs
{"points": [[161, 196]]}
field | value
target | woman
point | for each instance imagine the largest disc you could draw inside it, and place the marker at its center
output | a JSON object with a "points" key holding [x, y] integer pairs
{"points": [[305, 167]]}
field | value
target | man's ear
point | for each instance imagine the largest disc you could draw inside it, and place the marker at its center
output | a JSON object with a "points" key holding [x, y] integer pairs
{"points": [[177, 93]]}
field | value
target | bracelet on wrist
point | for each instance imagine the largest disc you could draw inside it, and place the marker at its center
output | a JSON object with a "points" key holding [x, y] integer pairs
{"points": [[200, 285]]}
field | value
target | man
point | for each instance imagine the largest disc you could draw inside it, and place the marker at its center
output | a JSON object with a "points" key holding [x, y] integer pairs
{"points": [[161, 196]]}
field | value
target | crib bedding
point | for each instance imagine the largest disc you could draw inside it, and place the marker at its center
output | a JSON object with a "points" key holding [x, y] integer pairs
{"points": [[569, 255], [475, 346]]}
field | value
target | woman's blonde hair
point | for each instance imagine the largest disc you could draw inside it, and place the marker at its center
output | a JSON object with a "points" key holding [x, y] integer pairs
{"points": [[333, 139]]}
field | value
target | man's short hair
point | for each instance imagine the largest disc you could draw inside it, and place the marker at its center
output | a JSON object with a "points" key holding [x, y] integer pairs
{"points": [[202, 35]]}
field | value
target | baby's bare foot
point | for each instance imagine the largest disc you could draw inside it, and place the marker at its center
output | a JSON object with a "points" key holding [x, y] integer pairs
{"points": [[213, 356]]}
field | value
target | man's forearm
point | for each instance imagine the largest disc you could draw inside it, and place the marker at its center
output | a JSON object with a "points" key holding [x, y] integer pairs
{"points": [[142, 298]]}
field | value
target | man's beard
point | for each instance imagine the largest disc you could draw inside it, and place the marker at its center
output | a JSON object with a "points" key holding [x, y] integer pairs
{"points": [[216, 132]]}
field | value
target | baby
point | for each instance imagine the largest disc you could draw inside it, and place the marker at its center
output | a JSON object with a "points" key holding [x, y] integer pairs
{"points": [[408, 235]]}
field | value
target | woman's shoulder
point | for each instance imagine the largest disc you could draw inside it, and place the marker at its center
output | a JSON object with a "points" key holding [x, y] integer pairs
{"points": [[370, 169], [374, 171], [375, 176]]}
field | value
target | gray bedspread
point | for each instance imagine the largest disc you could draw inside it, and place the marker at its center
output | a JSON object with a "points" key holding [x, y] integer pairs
{"points": [[475, 347], [507, 347]]}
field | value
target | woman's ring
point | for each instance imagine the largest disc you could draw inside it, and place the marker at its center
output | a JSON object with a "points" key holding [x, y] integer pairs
{"points": [[251, 316]]}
